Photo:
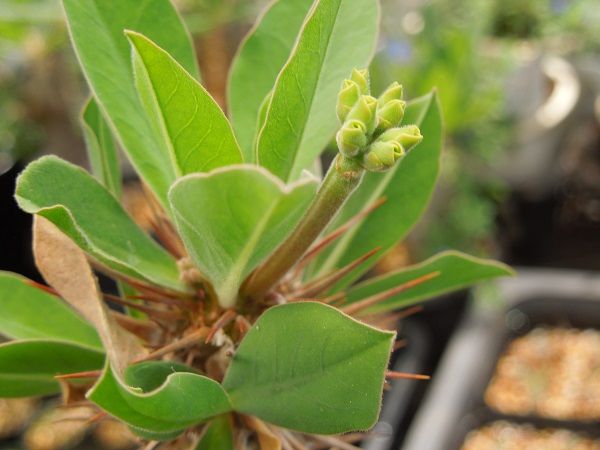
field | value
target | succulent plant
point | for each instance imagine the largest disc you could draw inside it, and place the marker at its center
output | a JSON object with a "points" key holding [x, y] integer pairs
{"points": [[242, 323]]}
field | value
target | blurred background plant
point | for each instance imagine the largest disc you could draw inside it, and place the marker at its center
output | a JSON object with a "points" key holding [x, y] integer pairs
{"points": [[474, 52]]}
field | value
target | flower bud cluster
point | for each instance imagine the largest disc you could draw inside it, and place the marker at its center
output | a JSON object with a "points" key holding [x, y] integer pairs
{"points": [[370, 131]]}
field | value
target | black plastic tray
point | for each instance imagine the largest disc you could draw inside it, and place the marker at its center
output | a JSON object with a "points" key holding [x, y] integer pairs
{"points": [[454, 405]]}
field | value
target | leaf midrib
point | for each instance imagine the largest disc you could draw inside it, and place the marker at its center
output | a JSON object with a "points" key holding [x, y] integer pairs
{"points": [[316, 88]]}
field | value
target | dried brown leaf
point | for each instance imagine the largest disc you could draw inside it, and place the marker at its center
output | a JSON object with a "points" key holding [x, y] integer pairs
{"points": [[65, 267]]}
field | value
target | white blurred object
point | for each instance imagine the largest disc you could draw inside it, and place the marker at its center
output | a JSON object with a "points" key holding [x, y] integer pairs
{"points": [[546, 96]]}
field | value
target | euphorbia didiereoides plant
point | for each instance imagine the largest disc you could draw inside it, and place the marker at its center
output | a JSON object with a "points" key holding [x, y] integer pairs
{"points": [[246, 320]]}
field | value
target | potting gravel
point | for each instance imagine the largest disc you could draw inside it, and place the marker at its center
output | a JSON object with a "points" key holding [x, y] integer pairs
{"points": [[549, 372], [507, 436]]}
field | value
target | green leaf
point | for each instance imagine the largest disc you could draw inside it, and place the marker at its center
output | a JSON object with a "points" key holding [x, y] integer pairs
{"points": [[192, 125], [96, 28], [218, 435], [28, 368], [337, 36], [182, 399], [86, 212], [407, 189], [245, 214], [101, 148], [150, 375], [27, 312], [308, 367], [259, 59], [457, 270]]}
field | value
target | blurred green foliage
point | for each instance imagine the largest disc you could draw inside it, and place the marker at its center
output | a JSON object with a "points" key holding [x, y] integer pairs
{"points": [[446, 44], [467, 48]]}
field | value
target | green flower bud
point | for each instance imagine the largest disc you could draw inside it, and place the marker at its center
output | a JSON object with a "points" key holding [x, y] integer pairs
{"points": [[390, 115], [407, 136], [393, 92], [382, 156], [351, 138], [365, 111], [347, 98], [361, 77]]}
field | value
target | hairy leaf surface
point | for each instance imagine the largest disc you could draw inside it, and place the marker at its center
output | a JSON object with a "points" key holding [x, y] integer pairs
{"points": [[260, 57], [309, 367], [191, 124], [232, 218], [96, 28], [86, 212]]}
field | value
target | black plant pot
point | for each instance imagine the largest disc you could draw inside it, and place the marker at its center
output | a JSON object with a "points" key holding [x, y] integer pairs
{"points": [[454, 404], [15, 229], [426, 335]]}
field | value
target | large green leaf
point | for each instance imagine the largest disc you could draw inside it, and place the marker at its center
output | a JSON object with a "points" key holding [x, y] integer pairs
{"points": [[218, 435], [28, 367], [27, 312], [232, 218], [101, 148], [182, 399], [85, 211], [337, 36], [259, 59], [456, 270], [309, 367], [96, 28], [192, 125], [407, 189]]}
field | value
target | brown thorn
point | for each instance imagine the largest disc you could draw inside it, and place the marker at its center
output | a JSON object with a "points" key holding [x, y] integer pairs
{"points": [[144, 329], [160, 313], [400, 343], [139, 285], [409, 312], [319, 285], [163, 227], [242, 325], [42, 287], [361, 305], [77, 375], [182, 303], [221, 322], [78, 404], [325, 241], [335, 299], [293, 440], [96, 418], [285, 444], [405, 376], [151, 445], [186, 341], [335, 442], [165, 237]]}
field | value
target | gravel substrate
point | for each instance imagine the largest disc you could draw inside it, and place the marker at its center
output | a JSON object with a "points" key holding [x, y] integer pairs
{"points": [[507, 436], [549, 372]]}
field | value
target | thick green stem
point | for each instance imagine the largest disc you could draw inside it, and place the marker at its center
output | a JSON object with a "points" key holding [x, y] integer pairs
{"points": [[343, 177]]}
